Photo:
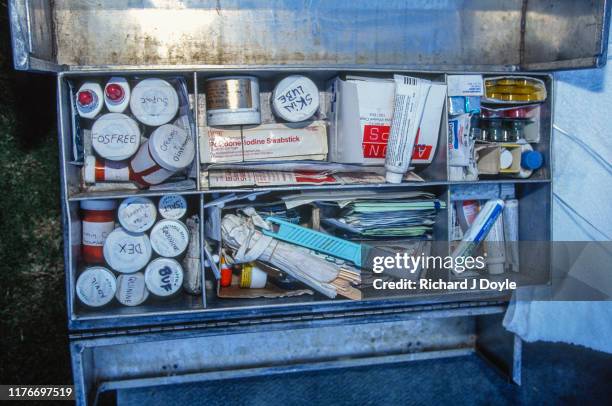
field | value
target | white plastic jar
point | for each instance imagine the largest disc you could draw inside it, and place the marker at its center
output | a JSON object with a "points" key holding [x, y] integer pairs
{"points": [[154, 102], [169, 149], [232, 100], [89, 100], [131, 289], [96, 286], [164, 277], [117, 94], [295, 98], [172, 207], [127, 252], [169, 238], [115, 136], [137, 214]]}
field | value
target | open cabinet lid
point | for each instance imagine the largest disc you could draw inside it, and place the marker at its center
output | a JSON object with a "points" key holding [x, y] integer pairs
{"points": [[423, 35]]}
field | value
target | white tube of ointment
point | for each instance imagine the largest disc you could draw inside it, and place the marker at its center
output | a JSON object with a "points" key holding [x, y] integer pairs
{"points": [[481, 226], [410, 96]]}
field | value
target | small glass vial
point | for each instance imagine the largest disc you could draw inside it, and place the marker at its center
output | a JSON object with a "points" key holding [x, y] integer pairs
{"points": [[164, 277], [97, 221], [169, 150], [496, 131], [96, 286], [169, 238]]}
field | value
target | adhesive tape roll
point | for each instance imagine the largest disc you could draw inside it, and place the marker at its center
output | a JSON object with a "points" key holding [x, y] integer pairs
{"points": [[252, 277]]}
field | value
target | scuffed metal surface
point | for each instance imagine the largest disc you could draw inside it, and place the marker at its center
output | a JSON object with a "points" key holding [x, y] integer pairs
{"points": [[291, 32]]}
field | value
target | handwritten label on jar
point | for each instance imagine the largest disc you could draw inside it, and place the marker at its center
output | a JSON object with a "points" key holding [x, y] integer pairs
{"points": [[172, 207], [131, 289], [172, 147], [127, 252], [164, 277], [154, 102], [96, 286], [95, 233], [169, 238], [295, 98], [137, 214], [115, 136]]}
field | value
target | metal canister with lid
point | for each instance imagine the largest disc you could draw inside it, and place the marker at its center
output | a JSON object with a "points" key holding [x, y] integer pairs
{"points": [[232, 100]]}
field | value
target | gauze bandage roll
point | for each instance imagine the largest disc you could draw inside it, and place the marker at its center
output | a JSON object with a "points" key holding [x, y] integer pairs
{"points": [[240, 234]]}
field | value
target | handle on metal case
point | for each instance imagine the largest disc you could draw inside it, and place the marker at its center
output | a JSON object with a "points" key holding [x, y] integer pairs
{"points": [[315, 240]]}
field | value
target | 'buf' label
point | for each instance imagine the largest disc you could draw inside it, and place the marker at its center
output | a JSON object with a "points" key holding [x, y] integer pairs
{"points": [[164, 277]]}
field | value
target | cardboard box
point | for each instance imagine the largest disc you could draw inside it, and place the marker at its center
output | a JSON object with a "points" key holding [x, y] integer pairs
{"points": [[360, 116], [488, 159], [489, 155], [266, 142]]}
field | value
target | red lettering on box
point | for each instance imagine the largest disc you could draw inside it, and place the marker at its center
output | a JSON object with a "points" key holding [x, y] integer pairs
{"points": [[375, 138]]}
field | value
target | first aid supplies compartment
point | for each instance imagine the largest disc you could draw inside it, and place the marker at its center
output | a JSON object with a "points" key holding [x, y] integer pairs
{"points": [[169, 341]]}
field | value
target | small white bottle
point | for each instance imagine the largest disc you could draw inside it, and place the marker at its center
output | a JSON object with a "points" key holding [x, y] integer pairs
{"points": [[117, 94], [89, 100], [530, 161]]}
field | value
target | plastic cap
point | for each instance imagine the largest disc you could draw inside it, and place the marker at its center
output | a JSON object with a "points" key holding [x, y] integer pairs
{"points": [[295, 98], [85, 97], [127, 252], [89, 169], [172, 207], [131, 289], [164, 276], [172, 147], [393, 177], [169, 238], [154, 102], [532, 160], [98, 204], [115, 136], [505, 159], [96, 286], [137, 214], [114, 92]]}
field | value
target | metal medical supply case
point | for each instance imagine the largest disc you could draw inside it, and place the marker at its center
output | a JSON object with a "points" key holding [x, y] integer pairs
{"points": [[201, 339]]}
